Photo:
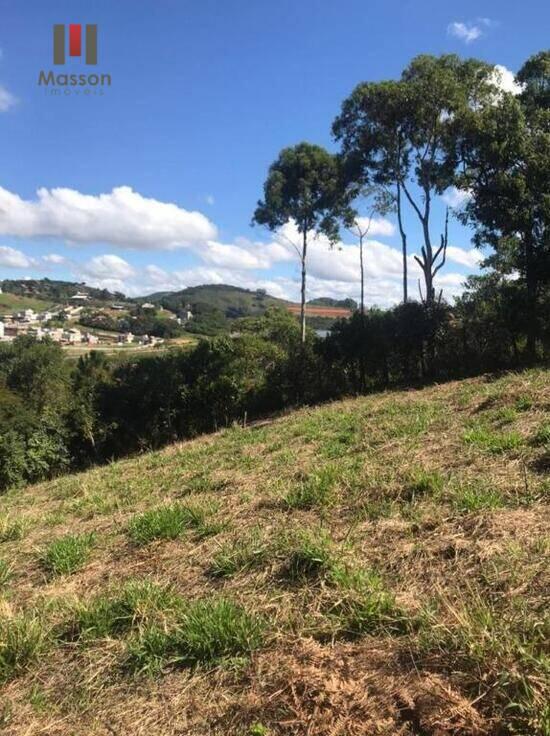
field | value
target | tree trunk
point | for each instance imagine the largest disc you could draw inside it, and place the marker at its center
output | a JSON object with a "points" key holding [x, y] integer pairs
{"points": [[303, 293], [532, 316], [362, 274], [403, 243]]}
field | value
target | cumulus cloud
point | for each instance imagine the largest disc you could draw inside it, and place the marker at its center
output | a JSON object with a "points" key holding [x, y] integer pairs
{"points": [[54, 258], [469, 258], [7, 100], [377, 226], [122, 218], [12, 258], [109, 267], [505, 80], [467, 32], [455, 197]]}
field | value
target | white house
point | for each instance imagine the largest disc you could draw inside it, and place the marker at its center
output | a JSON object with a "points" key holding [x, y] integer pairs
{"points": [[127, 337], [1, 330], [80, 297], [72, 336], [91, 339]]}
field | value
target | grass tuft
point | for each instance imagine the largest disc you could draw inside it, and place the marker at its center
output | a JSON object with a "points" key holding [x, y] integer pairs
{"points": [[315, 491], [423, 483], [494, 443], [67, 554], [170, 522], [10, 529], [5, 573], [206, 632], [306, 553], [22, 641], [470, 497], [239, 555]]}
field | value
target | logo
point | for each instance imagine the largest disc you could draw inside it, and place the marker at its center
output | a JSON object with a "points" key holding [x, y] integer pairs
{"points": [[74, 44]]}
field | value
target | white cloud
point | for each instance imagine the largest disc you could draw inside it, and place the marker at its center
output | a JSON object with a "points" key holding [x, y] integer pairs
{"points": [[109, 267], [12, 258], [7, 100], [378, 226], [464, 31], [54, 258], [456, 197], [122, 218], [470, 258], [505, 80]]}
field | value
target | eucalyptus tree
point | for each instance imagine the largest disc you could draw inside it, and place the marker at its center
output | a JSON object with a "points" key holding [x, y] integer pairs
{"points": [[304, 187], [403, 134], [505, 149]]}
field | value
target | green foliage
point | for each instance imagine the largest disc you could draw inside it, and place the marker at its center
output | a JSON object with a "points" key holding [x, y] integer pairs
{"points": [[423, 483], [471, 497], [169, 522], [239, 555], [22, 641], [306, 554], [206, 632], [492, 442], [5, 573], [67, 554]]}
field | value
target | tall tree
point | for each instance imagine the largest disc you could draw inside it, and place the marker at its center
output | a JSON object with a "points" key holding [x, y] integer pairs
{"points": [[402, 133], [303, 186], [505, 150]]}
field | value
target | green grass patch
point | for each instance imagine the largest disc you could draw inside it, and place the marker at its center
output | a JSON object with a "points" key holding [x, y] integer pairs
{"points": [[542, 435], [492, 442], [239, 555], [317, 490], [205, 633], [306, 554], [421, 483], [10, 529], [115, 612], [5, 573], [67, 554], [470, 497], [22, 640], [171, 522]]}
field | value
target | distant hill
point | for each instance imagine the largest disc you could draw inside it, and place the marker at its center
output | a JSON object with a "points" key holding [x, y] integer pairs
{"points": [[56, 291], [232, 301], [327, 301]]}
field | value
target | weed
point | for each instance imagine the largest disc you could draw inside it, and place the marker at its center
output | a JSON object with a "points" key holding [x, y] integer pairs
{"points": [[5, 573]]}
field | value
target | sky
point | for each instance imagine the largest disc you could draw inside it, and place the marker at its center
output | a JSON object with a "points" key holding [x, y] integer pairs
{"points": [[152, 184]]}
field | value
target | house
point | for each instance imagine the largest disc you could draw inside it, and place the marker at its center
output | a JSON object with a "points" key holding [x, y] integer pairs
{"points": [[118, 307], [80, 297], [45, 316], [27, 315], [125, 338], [148, 305], [72, 336], [36, 332], [55, 334], [91, 339]]}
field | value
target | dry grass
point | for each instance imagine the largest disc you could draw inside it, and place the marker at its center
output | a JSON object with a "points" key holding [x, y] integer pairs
{"points": [[392, 550]]}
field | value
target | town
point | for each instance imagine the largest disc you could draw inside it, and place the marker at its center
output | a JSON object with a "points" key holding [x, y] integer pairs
{"points": [[60, 324]]}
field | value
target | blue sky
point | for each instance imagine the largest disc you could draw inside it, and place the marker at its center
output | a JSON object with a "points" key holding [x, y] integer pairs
{"points": [[152, 185]]}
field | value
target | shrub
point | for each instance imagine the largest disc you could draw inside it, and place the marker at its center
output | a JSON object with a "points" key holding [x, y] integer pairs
{"points": [[67, 554]]}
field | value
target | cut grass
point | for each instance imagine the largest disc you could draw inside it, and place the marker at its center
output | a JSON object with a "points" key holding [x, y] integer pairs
{"points": [[205, 632], [67, 554], [171, 522]]}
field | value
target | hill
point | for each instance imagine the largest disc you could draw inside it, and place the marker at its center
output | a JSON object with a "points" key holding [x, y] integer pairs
{"points": [[232, 301], [15, 303], [55, 291], [374, 566]]}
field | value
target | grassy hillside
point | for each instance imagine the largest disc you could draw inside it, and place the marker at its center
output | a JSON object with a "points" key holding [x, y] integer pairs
{"points": [[375, 566], [15, 303], [55, 291], [232, 301]]}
